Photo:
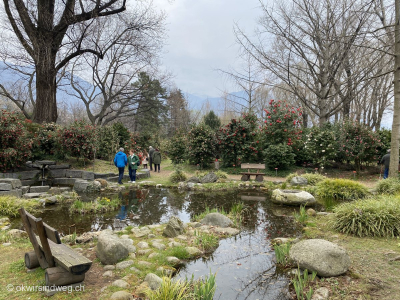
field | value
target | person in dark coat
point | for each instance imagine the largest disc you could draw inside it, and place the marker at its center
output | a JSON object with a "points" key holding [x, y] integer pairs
{"points": [[386, 162], [156, 160], [151, 151], [120, 161]]}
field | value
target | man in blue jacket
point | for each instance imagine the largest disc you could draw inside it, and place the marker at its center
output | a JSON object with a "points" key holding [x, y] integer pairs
{"points": [[120, 161]]}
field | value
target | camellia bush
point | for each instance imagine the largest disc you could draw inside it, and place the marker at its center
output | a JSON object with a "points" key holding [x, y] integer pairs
{"points": [[279, 156], [358, 143], [238, 141], [176, 147], [282, 126], [15, 144], [79, 139], [201, 149]]}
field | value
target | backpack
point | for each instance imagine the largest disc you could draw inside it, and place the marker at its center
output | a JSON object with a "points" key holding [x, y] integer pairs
{"points": [[139, 162]]}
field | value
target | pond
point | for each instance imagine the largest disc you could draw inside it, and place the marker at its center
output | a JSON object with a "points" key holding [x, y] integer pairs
{"points": [[244, 264]]}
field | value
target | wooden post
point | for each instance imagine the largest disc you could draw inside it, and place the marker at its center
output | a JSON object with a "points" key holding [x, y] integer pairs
{"points": [[59, 276], [31, 260], [39, 253]]}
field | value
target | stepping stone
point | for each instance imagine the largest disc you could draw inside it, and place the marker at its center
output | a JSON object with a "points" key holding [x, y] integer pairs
{"points": [[173, 260], [121, 295], [108, 274], [174, 244], [124, 264], [120, 283], [154, 255], [144, 252], [159, 246], [109, 267], [144, 263], [142, 245], [193, 251]]}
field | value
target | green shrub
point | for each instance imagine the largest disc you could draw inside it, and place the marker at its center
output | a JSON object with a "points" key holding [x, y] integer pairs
{"points": [[101, 204], [15, 145], [282, 254], [201, 150], [279, 156], [370, 217], [177, 175], [10, 205], [176, 147], [221, 174], [341, 189], [313, 179], [108, 142], [388, 186]]}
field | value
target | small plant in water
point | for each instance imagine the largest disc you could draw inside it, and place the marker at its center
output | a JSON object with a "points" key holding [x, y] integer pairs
{"points": [[207, 242], [302, 216], [300, 282], [204, 289], [282, 254]]}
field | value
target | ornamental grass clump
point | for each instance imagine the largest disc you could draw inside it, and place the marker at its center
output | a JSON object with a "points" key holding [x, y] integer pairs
{"points": [[9, 205], [388, 186], [371, 217], [341, 189]]}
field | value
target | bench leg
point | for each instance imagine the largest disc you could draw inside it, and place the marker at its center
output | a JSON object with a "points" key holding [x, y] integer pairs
{"points": [[31, 260], [59, 276], [245, 178], [259, 178]]}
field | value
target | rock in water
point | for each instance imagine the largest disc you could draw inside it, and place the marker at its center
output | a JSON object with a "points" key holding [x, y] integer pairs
{"points": [[209, 178], [174, 228], [110, 248], [298, 180], [292, 197], [216, 219], [321, 256]]}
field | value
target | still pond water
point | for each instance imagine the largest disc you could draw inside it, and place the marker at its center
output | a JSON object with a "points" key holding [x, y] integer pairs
{"points": [[244, 264]]}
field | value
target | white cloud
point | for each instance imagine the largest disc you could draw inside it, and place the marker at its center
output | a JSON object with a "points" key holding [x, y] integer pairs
{"points": [[200, 40]]}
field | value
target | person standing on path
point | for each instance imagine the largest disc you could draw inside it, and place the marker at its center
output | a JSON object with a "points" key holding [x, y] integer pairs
{"points": [[386, 162], [120, 161], [156, 160], [133, 163], [151, 151]]}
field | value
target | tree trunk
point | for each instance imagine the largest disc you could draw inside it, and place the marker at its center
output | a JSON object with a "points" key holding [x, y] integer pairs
{"points": [[394, 145], [45, 110]]}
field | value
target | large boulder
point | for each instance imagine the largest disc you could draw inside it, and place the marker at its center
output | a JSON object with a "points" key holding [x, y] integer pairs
{"points": [[321, 256], [216, 219], [174, 227], [81, 185], [110, 248], [209, 178], [15, 183], [298, 180], [93, 187], [292, 197]]}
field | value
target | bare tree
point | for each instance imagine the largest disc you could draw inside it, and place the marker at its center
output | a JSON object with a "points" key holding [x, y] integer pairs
{"points": [[311, 47], [50, 33], [108, 92]]}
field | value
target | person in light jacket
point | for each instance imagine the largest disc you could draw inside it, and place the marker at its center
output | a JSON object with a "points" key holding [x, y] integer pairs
{"points": [[120, 161], [156, 160], [133, 163]]}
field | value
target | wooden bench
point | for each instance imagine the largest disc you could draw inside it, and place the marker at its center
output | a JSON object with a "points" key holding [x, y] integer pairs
{"points": [[63, 265], [258, 167]]}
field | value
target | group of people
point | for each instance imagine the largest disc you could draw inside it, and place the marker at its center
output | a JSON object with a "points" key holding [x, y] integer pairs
{"points": [[121, 160]]}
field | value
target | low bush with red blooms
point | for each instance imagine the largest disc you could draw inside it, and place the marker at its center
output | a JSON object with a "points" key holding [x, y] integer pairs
{"points": [[79, 139], [282, 126], [15, 145], [238, 141], [133, 143]]}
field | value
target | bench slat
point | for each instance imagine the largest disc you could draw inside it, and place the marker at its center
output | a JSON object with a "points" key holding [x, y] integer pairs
{"points": [[250, 173], [253, 166], [67, 258], [52, 234]]}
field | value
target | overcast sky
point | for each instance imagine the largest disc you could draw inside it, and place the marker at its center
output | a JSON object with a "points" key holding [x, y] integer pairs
{"points": [[200, 40]]}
